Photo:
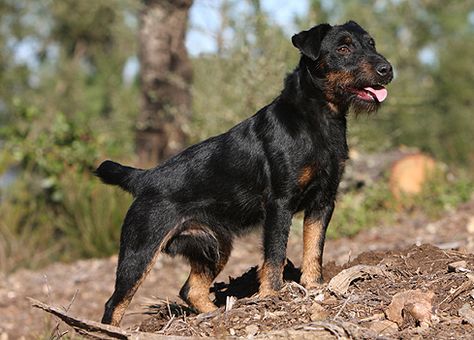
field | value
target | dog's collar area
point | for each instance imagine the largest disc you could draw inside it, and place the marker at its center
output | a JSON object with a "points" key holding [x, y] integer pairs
{"points": [[316, 81]]}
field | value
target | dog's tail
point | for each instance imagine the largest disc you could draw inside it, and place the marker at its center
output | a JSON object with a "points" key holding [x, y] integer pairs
{"points": [[125, 177]]}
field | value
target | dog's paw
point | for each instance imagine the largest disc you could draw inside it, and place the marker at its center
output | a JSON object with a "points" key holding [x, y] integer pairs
{"points": [[266, 293], [311, 283]]}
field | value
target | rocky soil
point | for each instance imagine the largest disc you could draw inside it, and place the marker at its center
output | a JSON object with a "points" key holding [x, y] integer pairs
{"points": [[411, 279]]}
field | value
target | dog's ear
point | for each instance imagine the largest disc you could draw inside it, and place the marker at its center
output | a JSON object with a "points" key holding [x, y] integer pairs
{"points": [[309, 42]]}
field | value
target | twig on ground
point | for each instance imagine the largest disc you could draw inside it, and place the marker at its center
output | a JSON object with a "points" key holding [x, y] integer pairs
{"points": [[168, 324], [300, 287], [55, 334], [343, 306]]}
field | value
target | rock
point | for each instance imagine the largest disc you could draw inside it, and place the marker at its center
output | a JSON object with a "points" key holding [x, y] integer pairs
{"points": [[466, 313], [415, 302], [318, 312], [251, 330], [420, 311], [458, 266], [319, 297]]}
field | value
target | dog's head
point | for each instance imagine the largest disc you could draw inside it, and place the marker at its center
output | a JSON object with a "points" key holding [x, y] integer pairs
{"points": [[342, 61]]}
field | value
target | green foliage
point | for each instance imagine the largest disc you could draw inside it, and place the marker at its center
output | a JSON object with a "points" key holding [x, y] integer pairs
{"points": [[375, 205], [85, 223], [444, 191], [56, 209], [92, 217], [63, 109], [245, 77], [22, 242], [67, 107], [47, 148], [358, 210]]}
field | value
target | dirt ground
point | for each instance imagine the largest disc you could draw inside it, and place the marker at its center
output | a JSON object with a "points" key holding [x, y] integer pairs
{"points": [[407, 287]]}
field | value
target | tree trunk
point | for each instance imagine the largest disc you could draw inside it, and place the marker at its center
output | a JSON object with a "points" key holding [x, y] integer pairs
{"points": [[165, 76]]}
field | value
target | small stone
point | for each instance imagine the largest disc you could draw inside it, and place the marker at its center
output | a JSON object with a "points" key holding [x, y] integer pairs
{"points": [[421, 312], [318, 312], [466, 313], [232, 331], [319, 297], [458, 266], [251, 330], [416, 302]]}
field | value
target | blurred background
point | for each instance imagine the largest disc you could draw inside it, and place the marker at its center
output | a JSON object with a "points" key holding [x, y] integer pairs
{"points": [[137, 81]]}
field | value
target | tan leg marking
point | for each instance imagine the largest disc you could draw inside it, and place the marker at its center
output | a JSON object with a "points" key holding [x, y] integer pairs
{"points": [[120, 307], [198, 295], [200, 277], [312, 254], [119, 310], [268, 275]]}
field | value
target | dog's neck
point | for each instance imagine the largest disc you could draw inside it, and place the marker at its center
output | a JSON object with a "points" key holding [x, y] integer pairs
{"points": [[308, 103], [308, 90]]}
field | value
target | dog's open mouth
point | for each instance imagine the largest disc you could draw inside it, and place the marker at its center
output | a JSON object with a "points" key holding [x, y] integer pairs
{"points": [[376, 93]]}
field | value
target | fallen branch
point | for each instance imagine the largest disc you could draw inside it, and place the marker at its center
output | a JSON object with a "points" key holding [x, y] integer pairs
{"points": [[340, 283], [96, 330]]}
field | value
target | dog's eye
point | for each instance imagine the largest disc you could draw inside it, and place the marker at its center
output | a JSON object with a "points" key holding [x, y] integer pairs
{"points": [[372, 42], [343, 50]]}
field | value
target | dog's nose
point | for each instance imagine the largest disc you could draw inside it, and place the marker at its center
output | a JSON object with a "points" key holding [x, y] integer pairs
{"points": [[384, 69]]}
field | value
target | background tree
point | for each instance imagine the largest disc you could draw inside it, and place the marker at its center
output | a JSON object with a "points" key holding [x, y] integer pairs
{"points": [[165, 77]]}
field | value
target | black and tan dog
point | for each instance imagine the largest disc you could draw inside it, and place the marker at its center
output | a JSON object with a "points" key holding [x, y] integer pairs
{"points": [[288, 157]]}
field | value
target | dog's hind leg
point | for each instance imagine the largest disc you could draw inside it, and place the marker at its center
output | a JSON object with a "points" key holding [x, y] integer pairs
{"points": [[196, 289], [207, 251], [139, 249], [130, 274]]}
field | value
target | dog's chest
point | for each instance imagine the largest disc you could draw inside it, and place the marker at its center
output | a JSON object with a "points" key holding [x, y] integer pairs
{"points": [[318, 179]]}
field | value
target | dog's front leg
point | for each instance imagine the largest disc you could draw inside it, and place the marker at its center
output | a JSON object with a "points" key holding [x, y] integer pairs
{"points": [[276, 230], [316, 222]]}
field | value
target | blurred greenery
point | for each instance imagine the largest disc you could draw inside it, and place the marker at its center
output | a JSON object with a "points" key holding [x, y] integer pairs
{"points": [[67, 104], [361, 209]]}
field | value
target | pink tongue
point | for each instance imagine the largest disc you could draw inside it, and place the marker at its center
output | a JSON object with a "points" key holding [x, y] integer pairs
{"points": [[380, 93]]}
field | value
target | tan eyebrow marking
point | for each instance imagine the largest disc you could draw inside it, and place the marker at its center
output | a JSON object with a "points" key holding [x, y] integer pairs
{"points": [[347, 40]]}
